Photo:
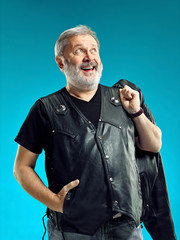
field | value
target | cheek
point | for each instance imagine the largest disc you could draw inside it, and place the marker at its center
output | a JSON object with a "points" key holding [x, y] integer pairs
{"points": [[98, 59], [75, 61]]}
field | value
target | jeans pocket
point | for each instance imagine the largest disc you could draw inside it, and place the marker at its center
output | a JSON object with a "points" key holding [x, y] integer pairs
{"points": [[53, 232], [50, 227]]}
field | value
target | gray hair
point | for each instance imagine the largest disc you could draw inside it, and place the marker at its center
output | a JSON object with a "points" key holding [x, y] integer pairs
{"points": [[63, 38]]}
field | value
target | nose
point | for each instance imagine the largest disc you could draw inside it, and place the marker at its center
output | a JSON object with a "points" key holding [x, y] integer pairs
{"points": [[87, 57]]}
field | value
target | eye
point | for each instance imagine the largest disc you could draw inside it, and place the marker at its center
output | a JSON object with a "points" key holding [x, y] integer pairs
{"points": [[93, 50], [78, 51]]}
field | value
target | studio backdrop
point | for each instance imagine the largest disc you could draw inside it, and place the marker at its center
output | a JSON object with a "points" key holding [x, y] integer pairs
{"points": [[139, 41]]}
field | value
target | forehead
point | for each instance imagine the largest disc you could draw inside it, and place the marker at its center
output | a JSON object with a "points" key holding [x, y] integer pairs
{"points": [[81, 40]]}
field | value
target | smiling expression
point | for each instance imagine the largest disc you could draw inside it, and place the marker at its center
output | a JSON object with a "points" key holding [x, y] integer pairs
{"points": [[83, 53]]}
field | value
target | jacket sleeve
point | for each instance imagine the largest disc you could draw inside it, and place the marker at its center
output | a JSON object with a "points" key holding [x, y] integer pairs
{"points": [[156, 214]]}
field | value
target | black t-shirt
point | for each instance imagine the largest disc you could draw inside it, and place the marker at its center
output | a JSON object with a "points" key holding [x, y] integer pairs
{"points": [[90, 109], [35, 133]]}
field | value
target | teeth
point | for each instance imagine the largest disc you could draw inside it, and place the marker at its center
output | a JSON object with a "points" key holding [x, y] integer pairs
{"points": [[88, 68]]}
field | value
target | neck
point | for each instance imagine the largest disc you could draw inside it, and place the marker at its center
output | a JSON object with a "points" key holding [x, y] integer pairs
{"points": [[85, 95]]}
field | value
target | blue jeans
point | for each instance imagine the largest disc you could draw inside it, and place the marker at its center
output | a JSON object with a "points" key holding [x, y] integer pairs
{"points": [[115, 229]]}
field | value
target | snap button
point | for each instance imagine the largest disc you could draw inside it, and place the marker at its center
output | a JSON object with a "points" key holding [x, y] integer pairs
{"points": [[61, 108], [115, 101], [111, 179], [68, 196], [115, 203], [107, 156]]}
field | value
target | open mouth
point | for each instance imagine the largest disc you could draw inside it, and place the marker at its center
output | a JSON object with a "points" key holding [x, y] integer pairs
{"points": [[88, 69]]}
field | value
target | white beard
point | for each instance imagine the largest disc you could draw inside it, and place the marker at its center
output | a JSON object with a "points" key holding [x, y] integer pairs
{"points": [[78, 81]]}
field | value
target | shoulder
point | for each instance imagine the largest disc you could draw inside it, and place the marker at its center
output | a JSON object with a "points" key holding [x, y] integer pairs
{"points": [[37, 109], [38, 112], [109, 92], [108, 89], [51, 95], [122, 82], [53, 100]]}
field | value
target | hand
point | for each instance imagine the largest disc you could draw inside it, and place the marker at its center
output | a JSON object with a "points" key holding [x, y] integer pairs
{"points": [[62, 194], [130, 99]]}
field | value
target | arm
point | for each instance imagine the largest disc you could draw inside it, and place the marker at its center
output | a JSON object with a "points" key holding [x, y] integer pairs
{"points": [[24, 173], [149, 135]]}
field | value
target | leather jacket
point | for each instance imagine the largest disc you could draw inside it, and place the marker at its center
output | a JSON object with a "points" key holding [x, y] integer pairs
{"points": [[103, 159], [156, 214]]}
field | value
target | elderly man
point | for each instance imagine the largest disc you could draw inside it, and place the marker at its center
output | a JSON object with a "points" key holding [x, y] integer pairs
{"points": [[90, 134]]}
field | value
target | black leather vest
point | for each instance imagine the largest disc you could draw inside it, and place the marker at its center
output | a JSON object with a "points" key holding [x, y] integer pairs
{"points": [[103, 159]]}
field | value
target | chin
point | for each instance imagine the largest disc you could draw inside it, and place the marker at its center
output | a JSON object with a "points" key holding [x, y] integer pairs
{"points": [[90, 86]]}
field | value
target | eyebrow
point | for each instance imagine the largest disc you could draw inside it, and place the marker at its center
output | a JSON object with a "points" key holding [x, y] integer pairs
{"points": [[81, 45]]}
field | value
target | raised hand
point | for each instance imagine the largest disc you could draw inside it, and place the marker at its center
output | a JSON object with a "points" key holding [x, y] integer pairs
{"points": [[130, 99]]}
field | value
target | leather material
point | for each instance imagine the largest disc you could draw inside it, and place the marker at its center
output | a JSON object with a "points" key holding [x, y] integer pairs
{"points": [[156, 214], [103, 159]]}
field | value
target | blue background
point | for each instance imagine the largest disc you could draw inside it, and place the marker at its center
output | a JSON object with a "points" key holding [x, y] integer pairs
{"points": [[139, 41]]}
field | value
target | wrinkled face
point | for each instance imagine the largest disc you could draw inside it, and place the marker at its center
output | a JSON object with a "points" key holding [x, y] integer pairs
{"points": [[82, 63]]}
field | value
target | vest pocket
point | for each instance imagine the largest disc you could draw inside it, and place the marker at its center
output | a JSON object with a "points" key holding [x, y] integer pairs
{"points": [[69, 134], [68, 201]]}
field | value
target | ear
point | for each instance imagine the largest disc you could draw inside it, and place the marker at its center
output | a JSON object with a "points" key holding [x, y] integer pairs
{"points": [[60, 63]]}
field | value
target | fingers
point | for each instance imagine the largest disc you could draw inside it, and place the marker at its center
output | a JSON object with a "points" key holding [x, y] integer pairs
{"points": [[71, 185], [130, 99], [62, 193], [68, 187], [128, 92]]}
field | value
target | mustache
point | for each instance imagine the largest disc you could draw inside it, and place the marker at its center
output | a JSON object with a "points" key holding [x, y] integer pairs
{"points": [[89, 64]]}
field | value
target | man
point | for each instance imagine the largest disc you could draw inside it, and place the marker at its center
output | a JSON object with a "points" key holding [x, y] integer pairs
{"points": [[90, 134]]}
